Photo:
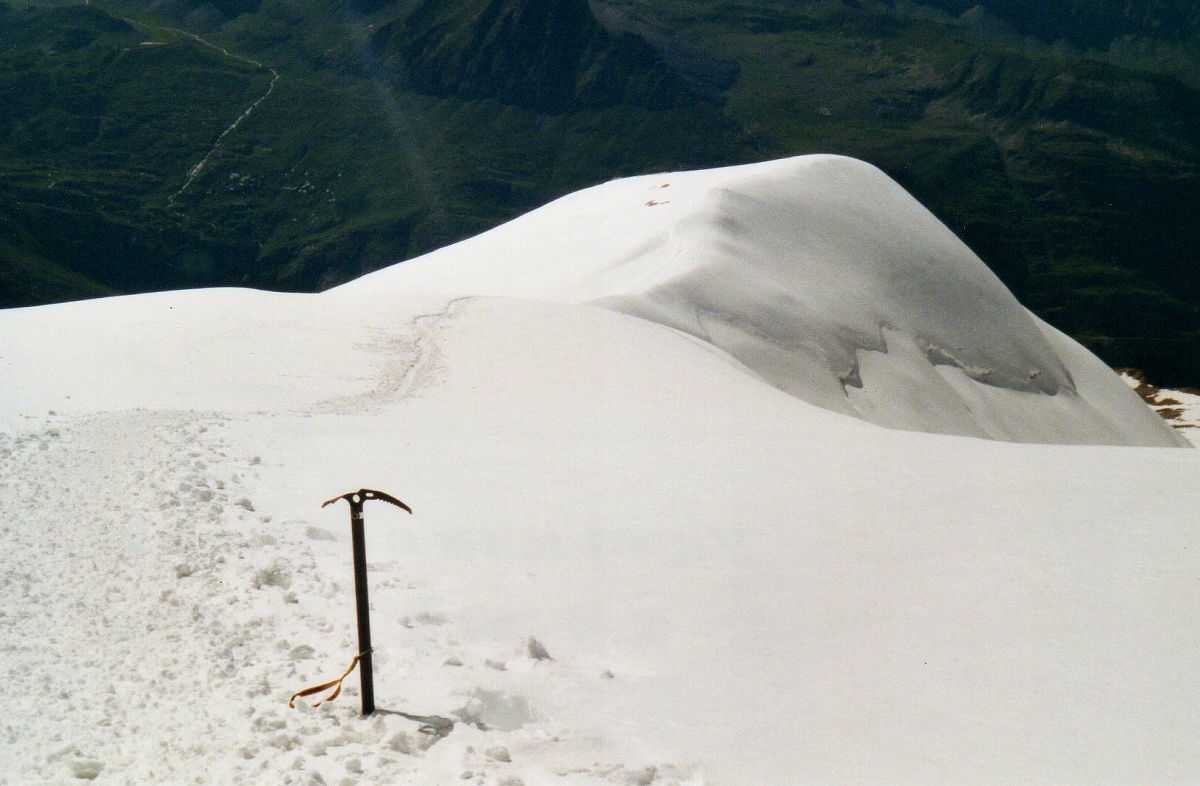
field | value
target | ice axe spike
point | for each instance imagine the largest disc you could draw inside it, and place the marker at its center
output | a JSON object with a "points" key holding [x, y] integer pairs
{"points": [[357, 499]]}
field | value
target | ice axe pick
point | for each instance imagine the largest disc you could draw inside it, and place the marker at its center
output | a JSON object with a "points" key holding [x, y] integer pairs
{"points": [[357, 499]]}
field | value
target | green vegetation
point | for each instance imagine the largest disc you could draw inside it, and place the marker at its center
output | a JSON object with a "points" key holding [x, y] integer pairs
{"points": [[1057, 137]]}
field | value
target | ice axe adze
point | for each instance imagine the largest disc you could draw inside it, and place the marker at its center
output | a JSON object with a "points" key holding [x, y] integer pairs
{"points": [[356, 500]]}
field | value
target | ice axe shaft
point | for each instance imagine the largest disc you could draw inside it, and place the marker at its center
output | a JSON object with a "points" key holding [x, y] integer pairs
{"points": [[362, 603]]}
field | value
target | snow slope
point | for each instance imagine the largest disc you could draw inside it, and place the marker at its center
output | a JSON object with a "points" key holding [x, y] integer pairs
{"points": [[734, 586]]}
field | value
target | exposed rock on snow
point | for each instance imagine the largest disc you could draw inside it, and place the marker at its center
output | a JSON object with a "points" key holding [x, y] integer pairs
{"points": [[1180, 408]]}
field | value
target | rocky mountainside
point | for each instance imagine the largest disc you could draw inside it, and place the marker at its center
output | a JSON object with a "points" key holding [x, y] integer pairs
{"points": [[1057, 138]]}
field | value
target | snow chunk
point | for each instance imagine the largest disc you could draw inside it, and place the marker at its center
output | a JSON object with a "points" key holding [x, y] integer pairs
{"points": [[86, 769], [498, 753], [317, 533], [537, 650], [277, 575]]}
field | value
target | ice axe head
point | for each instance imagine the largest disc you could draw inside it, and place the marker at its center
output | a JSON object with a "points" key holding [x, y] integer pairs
{"points": [[357, 498]]}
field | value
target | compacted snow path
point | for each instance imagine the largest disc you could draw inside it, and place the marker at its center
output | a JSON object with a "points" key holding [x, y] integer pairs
{"points": [[121, 599]]}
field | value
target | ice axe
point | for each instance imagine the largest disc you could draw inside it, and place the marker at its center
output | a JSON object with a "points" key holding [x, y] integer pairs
{"points": [[357, 499]]}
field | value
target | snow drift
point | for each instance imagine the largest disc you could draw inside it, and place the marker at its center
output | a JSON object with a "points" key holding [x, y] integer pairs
{"points": [[734, 586]]}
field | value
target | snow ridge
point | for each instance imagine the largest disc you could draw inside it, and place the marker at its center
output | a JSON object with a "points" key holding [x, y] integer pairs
{"points": [[821, 276]]}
